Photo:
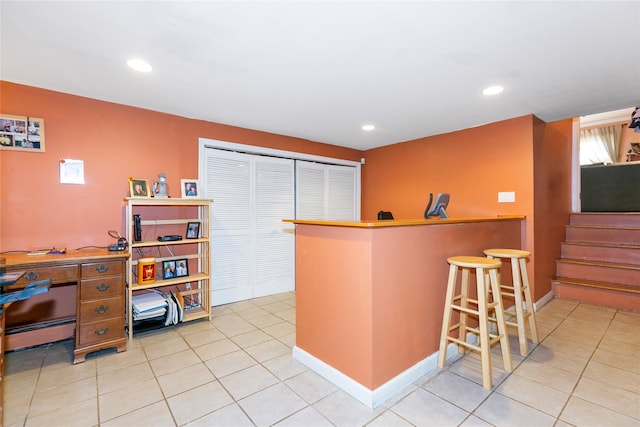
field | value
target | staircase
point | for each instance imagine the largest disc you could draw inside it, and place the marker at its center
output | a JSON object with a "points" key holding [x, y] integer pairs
{"points": [[600, 260]]}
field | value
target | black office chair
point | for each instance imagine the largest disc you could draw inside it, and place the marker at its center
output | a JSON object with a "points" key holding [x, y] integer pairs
{"points": [[384, 215]]}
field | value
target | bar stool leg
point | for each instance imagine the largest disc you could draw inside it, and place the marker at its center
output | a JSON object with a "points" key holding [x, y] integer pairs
{"points": [[464, 293], [500, 321], [485, 357], [446, 319], [517, 295], [528, 300]]}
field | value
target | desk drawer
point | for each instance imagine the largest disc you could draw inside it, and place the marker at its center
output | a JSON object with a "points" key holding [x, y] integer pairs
{"points": [[101, 288], [100, 309], [57, 274], [90, 333], [100, 269]]}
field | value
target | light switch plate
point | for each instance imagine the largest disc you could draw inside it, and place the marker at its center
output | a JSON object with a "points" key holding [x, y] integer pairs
{"points": [[506, 196]]}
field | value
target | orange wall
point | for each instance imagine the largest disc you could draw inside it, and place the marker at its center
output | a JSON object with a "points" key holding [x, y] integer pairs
{"points": [[552, 198], [473, 165], [115, 142]]}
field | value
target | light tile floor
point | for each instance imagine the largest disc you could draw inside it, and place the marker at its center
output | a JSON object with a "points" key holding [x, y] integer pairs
{"points": [[237, 370]]}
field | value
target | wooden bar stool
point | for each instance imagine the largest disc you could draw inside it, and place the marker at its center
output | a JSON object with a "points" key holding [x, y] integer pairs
{"points": [[520, 292], [486, 271]]}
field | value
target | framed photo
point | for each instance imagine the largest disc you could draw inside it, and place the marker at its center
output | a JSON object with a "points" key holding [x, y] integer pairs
{"points": [[193, 230], [168, 269], [21, 133], [190, 188], [139, 187], [182, 267]]}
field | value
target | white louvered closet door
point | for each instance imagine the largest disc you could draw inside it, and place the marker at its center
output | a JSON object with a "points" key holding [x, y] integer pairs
{"points": [[229, 185], [341, 194], [274, 239], [252, 252], [326, 192], [310, 190]]}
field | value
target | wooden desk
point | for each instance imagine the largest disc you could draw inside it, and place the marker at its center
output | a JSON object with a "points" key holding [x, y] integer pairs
{"points": [[99, 317]]}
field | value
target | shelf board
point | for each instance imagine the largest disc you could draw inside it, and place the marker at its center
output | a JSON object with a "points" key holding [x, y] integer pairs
{"points": [[168, 282], [149, 243], [172, 258], [150, 201], [195, 313]]}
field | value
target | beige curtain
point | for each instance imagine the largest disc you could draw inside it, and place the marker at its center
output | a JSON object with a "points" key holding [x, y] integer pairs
{"points": [[600, 145]]}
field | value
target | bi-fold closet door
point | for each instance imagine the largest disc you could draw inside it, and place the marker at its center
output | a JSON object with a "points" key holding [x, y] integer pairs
{"points": [[326, 191], [252, 250]]}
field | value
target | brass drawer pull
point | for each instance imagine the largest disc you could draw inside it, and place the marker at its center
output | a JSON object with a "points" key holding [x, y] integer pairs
{"points": [[102, 287], [102, 269], [31, 276], [102, 309], [101, 331]]}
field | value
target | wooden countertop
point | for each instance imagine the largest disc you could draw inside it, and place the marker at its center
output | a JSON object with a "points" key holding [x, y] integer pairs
{"points": [[22, 258], [403, 222]]}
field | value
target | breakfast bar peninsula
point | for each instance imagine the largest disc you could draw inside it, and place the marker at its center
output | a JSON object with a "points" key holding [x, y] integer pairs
{"points": [[370, 295]]}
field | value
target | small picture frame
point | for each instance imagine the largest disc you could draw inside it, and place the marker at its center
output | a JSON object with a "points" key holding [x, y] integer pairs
{"points": [[193, 230], [168, 269], [190, 188], [139, 188], [182, 267]]}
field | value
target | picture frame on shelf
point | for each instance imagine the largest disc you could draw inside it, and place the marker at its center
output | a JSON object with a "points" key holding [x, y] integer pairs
{"points": [[193, 230], [168, 269], [21, 133], [139, 187], [182, 267], [189, 188]]}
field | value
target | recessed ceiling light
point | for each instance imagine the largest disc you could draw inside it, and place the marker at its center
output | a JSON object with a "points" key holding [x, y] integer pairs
{"points": [[368, 127], [492, 90], [139, 65]]}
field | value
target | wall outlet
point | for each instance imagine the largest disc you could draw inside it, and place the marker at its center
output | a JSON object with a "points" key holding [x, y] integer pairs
{"points": [[506, 196], [187, 286]]}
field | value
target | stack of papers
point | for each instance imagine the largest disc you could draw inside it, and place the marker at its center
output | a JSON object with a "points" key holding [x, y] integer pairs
{"points": [[175, 309], [149, 305]]}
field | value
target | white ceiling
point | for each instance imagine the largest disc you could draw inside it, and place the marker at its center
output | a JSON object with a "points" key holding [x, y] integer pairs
{"points": [[319, 70]]}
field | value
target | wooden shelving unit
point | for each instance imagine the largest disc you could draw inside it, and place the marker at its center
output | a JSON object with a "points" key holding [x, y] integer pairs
{"points": [[160, 216]]}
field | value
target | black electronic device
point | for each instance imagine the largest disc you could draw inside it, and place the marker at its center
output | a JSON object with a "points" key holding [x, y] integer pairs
{"points": [[120, 246], [170, 238], [384, 215], [439, 206], [137, 229]]}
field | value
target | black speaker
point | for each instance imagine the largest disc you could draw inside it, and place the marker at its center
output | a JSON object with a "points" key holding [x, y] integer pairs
{"points": [[137, 229]]}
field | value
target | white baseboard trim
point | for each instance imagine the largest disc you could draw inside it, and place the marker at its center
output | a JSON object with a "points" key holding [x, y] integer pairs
{"points": [[542, 301], [374, 398]]}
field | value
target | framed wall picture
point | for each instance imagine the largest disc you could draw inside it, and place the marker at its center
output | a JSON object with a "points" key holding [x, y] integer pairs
{"points": [[168, 269], [21, 133], [139, 187], [193, 230], [190, 188], [182, 267]]}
